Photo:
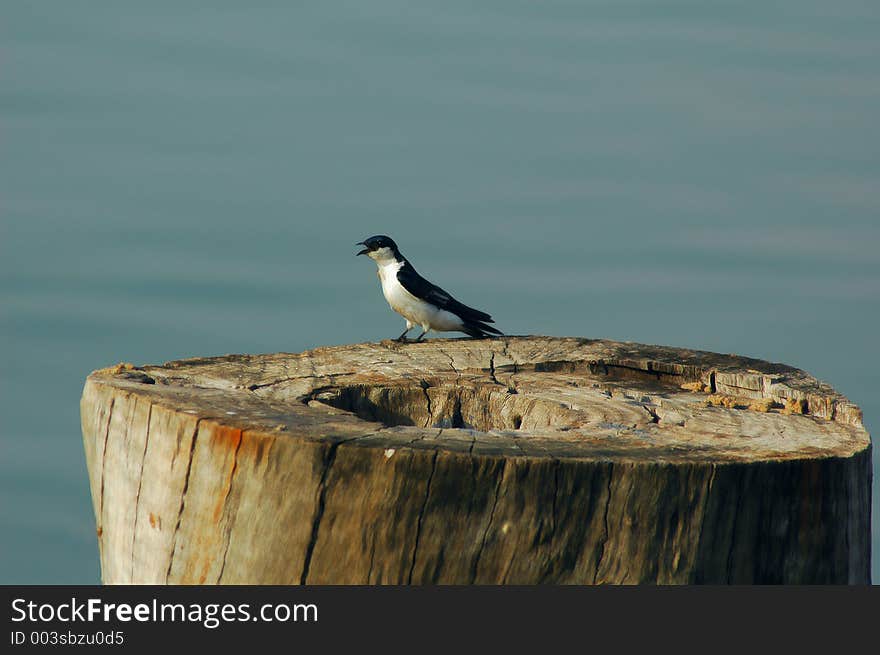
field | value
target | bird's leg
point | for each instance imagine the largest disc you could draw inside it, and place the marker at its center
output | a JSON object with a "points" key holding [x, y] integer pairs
{"points": [[422, 335], [402, 337]]}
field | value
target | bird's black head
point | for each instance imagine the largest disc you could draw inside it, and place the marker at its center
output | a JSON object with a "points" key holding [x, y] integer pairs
{"points": [[377, 243]]}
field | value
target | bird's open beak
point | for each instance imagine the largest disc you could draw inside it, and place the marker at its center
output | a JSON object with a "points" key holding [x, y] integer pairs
{"points": [[364, 251]]}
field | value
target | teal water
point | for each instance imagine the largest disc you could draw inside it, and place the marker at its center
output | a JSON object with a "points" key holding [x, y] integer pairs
{"points": [[178, 182]]}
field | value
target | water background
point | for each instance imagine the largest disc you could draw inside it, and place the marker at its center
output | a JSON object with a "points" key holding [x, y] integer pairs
{"points": [[180, 180]]}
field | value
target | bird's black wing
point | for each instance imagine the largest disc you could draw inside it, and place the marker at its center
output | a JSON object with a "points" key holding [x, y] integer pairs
{"points": [[421, 288]]}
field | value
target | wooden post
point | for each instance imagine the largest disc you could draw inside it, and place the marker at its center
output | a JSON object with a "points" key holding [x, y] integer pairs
{"points": [[518, 460]]}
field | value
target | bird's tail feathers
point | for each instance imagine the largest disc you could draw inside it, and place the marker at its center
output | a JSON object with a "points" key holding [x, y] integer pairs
{"points": [[480, 330]]}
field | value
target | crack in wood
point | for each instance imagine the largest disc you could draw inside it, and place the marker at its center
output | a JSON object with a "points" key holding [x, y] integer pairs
{"points": [[294, 378], [422, 515], [425, 386], [505, 345], [137, 497], [736, 511], [192, 450], [607, 531], [492, 370], [707, 492], [228, 517], [655, 418], [451, 362], [103, 466], [479, 555], [553, 510], [372, 555], [319, 510]]}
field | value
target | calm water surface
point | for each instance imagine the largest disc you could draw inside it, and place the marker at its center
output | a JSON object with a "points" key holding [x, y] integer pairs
{"points": [[178, 182]]}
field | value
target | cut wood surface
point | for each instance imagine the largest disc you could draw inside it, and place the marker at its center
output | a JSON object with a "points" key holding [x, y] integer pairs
{"points": [[518, 460]]}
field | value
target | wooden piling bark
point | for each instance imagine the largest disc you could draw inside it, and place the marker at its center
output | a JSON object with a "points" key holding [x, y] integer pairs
{"points": [[518, 460]]}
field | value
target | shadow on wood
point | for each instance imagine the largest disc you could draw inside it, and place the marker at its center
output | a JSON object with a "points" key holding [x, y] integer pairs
{"points": [[519, 460]]}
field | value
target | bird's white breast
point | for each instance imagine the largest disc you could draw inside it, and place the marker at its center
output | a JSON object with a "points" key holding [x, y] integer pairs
{"points": [[407, 305]]}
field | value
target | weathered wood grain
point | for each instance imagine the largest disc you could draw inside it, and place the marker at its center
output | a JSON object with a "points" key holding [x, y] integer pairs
{"points": [[518, 460]]}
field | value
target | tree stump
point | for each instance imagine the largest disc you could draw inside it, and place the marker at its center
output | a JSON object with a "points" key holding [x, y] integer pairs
{"points": [[517, 460]]}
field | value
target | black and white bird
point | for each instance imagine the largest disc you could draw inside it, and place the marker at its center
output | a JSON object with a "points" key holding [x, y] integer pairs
{"points": [[417, 300]]}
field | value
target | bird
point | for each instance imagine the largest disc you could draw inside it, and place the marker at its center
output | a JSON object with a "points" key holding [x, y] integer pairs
{"points": [[419, 301]]}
